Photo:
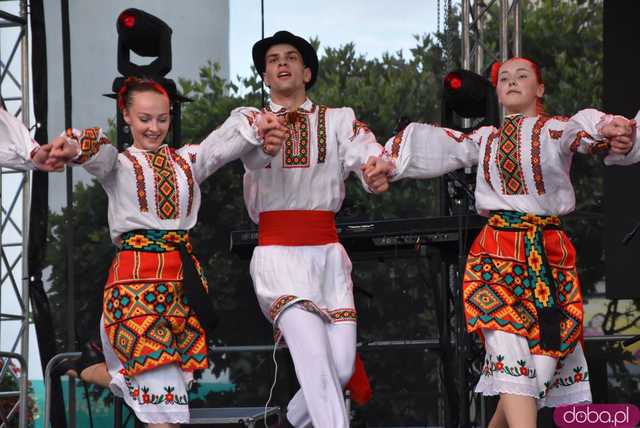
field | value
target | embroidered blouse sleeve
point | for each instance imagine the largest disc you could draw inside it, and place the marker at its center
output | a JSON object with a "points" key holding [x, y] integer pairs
{"points": [[356, 143], [95, 152], [427, 151], [16, 145], [256, 159], [582, 135], [234, 138]]}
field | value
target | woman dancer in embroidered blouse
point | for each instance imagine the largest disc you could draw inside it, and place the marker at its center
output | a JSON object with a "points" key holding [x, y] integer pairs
{"points": [[521, 290], [151, 337]]}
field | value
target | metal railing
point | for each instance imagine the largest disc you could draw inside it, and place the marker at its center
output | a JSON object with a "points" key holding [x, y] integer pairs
{"points": [[21, 398]]}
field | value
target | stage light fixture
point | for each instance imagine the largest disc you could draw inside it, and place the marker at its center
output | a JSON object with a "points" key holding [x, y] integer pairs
{"points": [[468, 95], [465, 95], [147, 36], [128, 19], [453, 81]]}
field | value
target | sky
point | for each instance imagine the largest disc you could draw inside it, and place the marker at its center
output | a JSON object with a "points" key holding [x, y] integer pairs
{"points": [[375, 26]]}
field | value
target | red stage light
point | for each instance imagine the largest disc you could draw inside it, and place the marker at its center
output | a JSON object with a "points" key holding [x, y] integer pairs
{"points": [[128, 20], [453, 81]]}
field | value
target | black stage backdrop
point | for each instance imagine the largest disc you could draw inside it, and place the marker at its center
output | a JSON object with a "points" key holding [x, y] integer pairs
{"points": [[40, 307], [622, 195]]}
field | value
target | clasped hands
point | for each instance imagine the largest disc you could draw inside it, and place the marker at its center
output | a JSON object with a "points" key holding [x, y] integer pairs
{"points": [[376, 173], [620, 133], [44, 160], [54, 156]]}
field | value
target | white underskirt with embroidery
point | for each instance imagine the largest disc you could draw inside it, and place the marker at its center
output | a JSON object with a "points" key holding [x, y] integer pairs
{"points": [[156, 396], [509, 367]]}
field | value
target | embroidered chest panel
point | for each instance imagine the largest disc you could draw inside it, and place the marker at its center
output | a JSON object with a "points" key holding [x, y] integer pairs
{"points": [[166, 194], [186, 169], [141, 190], [486, 162], [166, 186], [322, 133], [536, 163], [508, 157], [296, 152]]}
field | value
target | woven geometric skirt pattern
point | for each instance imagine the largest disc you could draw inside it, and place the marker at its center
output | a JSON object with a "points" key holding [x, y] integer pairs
{"points": [[499, 295], [147, 317]]}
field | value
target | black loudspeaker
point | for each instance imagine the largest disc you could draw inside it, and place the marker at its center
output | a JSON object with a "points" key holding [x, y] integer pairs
{"points": [[621, 190]]}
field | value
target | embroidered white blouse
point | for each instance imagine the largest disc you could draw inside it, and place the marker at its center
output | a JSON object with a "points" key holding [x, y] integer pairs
{"points": [[160, 190], [16, 145], [325, 146], [523, 166]]}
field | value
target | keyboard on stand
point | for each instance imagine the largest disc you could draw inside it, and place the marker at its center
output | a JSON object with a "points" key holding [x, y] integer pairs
{"points": [[386, 237]]}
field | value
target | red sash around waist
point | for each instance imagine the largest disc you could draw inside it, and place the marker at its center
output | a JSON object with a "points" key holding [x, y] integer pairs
{"points": [[297, 227]]}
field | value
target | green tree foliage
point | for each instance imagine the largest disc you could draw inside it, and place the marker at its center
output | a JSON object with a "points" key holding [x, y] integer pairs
{"points": [[565, 37]]}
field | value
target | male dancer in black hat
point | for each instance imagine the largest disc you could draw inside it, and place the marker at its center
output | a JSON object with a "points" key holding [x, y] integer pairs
{"points": [[301, 273]]}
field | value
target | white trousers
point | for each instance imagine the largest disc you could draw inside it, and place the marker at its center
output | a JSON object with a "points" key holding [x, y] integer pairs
{"points": [[323, 355]]}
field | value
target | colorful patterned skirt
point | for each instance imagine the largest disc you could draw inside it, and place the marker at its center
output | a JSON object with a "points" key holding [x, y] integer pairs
{"points": [[147, 317], [149, 327], [513, 274], [519, 267]]}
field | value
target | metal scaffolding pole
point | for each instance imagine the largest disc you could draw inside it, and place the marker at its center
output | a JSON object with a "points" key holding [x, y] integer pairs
{"points": [[504, 30], [517, 33], [474, 14], [474, 52], [14, 198], [478, 14], [466, 50]]}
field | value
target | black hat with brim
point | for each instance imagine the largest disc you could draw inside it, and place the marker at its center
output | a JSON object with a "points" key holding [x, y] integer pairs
{"points": [[307, 51]]}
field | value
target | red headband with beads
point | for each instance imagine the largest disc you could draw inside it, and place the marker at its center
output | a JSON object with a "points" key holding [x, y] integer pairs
{"points": [[143, 84]]}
